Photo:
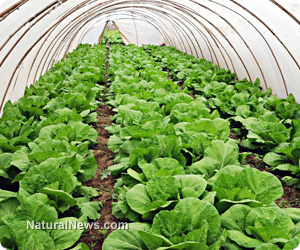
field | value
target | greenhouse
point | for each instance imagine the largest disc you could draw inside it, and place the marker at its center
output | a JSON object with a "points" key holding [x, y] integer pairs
{"points": [[149, 125]]}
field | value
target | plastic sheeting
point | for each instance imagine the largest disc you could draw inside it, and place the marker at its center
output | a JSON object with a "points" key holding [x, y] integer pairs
{"points": [[257, 38], [138, 32], [92, 35], [6, 5]]}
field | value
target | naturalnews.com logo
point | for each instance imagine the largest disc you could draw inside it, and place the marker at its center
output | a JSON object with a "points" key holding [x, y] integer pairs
{"points": [[75, 225]]}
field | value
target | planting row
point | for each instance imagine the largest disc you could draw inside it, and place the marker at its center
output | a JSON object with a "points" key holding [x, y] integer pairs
{"points": [[45, 154], [265, 124], [183, 184]]}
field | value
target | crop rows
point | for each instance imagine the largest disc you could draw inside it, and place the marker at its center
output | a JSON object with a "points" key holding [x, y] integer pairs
{"points": [[183, 184], [265, 124], [45, 155], [182, 181]]}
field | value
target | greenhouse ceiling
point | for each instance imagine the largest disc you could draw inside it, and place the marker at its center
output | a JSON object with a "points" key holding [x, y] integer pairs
{"points": [[255, 39]]}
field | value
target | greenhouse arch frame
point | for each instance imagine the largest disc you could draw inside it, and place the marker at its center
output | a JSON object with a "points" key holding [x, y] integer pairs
{"points": [[247, 37]]}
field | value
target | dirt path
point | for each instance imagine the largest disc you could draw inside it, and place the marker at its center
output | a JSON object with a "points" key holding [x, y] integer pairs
{"points": [[102, 180]]}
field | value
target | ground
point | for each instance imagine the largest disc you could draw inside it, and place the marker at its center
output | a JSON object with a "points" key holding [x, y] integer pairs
{"points": [[102, 180]]}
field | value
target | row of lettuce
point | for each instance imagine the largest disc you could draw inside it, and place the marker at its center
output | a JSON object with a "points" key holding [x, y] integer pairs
{"points": [[267, 125], [112, 37], [182, 179], [45, 155], [183, 184]]}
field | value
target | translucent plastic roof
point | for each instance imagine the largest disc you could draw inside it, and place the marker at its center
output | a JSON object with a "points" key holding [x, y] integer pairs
{"points": [[254, 38]]}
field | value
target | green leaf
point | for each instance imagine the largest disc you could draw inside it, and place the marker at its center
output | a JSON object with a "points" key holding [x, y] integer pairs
{"points": [[163, 188], [191, 185], [5, 195], [88, 168], [8, 207], [135, 175], [129, 239], [292, 244], [265, 186], [170, 146], [269, 234], [36, 209], [224, 153], [274, 159], [203, 125], [267, 246], [5, 160], [143, 155], [217, 156], [63, 200], [223, 128], [208, 196], [63, 238], [81, 246], [249, 184], [91, 210], [234, 218], [154, 241], [138, 198], [39, 240], [162, 167], [198, 141], [294, 213], [169, 224], [47, 173], [243, 240], [188, 215], [199, 235], [186, 246], [269, 216]]}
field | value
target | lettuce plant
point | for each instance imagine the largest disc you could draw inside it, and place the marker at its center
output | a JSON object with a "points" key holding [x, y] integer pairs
{"points": [[259, 228], [192, 224]]}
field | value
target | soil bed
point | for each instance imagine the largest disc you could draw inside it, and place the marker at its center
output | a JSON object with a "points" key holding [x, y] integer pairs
{"points": [[102, 180]]}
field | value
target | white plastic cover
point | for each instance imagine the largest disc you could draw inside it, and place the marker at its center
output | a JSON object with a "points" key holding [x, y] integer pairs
{"points": [[92, 34], [5, 5], [138, 32], [257, 38]]}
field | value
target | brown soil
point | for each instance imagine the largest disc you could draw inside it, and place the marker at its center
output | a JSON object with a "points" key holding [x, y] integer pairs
{"points": [[232, 135], [192, 95], [256, 162], [290, 198], [102, 180]]}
